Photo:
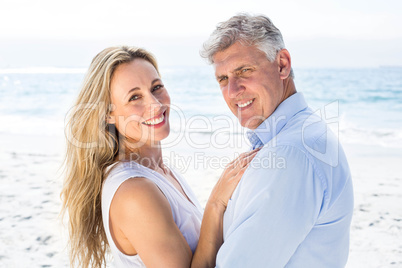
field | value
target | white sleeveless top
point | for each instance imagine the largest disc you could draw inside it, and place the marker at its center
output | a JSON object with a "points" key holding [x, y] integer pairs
{"points": [[186, 215]]}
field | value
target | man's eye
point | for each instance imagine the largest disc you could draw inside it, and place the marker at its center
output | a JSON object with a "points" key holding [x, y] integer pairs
{"points": [[222, 79], [245, 70]]}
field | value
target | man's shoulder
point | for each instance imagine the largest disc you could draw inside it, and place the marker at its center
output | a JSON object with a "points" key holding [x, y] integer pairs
{"points": [[307, 136], [308, 132], [311, 137]]}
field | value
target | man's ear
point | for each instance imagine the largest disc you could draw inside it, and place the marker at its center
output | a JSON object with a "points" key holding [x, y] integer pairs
{"points": [[284, 63]]}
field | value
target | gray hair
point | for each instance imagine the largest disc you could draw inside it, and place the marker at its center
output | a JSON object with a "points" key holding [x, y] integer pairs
{"points": [[249, 30]]}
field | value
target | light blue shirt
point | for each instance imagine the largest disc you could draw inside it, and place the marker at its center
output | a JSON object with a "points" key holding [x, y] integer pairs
{"points": [[294, 204]]}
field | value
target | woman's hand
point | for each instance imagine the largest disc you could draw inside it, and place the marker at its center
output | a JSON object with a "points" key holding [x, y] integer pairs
{"points": [[211, 235], [229, 179]]}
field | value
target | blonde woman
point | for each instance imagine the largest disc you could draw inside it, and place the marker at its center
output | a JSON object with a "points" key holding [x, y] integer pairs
{"points": [[118, 193]]}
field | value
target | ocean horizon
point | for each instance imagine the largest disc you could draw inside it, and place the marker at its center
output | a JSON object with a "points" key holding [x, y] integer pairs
{"points": [[368, 101]]}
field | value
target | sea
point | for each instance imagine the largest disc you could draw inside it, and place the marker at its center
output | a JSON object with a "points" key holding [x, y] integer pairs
{"points": [[363, 106]]}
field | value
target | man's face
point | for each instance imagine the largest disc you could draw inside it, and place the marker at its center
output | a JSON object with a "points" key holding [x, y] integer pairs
{"points": [[251, 85]]}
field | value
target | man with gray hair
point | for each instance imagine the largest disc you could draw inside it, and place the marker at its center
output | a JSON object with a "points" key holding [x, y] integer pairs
{"points": [[294, 204]]}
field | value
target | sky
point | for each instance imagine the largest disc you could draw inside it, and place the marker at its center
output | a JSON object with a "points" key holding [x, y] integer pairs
{"points": [[318, 33]]}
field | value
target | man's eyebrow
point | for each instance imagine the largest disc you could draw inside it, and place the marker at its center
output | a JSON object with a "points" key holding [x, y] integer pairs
{"points": [[219, 77], [241, 67]]}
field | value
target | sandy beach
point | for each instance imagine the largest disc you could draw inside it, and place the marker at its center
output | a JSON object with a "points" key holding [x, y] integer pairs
{"points": [[32, 234], [376, 231]]}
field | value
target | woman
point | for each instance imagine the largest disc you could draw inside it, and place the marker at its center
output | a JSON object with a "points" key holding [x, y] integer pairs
{"points": [[118, 192]]}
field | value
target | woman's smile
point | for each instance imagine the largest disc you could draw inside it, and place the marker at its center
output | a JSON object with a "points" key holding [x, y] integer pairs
{"points": [[156, 121]]}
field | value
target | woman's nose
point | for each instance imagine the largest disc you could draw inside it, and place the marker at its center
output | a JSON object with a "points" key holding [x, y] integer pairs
{"points": [[155, 105]]}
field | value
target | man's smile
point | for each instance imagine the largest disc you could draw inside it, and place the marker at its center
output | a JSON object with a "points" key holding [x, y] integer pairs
{"points": [[244, 104]]}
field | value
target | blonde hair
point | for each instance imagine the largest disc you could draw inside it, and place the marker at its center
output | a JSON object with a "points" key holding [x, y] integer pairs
{"points": [[91, 148]]}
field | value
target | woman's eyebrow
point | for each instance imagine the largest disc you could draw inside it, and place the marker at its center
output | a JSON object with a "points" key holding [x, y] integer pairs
{"points": [[131, 90], [155, 80]]}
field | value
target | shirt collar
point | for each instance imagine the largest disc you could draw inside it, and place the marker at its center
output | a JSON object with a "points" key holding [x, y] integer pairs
{"points": [[279, 118]]}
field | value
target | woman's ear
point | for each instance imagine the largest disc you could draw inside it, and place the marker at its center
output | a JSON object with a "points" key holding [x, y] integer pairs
{"points": [[110, 119], [284, 63]]}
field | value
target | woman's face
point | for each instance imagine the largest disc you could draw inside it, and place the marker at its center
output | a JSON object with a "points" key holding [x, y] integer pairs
{"points": [[140, 103]]}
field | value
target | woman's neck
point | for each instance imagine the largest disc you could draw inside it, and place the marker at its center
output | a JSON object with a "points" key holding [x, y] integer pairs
{"points": [[149, 155]]}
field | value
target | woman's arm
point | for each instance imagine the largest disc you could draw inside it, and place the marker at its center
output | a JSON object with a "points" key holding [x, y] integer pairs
{"points": [[211, 235], [141, 223]]}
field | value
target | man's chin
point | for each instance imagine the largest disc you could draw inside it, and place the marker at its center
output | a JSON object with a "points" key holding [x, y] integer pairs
{"points": [[250, 124]]}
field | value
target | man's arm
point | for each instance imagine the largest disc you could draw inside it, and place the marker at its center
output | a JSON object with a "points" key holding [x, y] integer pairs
{"points": [[276, 206]]}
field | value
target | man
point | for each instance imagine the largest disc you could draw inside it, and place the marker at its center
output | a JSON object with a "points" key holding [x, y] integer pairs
{"points": [[294, 204]]}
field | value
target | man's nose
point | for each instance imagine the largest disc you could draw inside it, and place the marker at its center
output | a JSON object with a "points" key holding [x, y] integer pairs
{"points": [[235, 88]]}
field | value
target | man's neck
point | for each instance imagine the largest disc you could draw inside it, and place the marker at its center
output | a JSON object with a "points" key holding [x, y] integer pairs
{"points": [[289, 88]]}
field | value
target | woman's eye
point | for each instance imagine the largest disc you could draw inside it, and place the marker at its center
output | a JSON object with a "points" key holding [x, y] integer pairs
{"points": [[134, 97], [157, 87]]}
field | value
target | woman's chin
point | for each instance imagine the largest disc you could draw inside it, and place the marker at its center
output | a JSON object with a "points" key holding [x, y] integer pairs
{"points": [[158, 136], [150, 136], [162, 135]]}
